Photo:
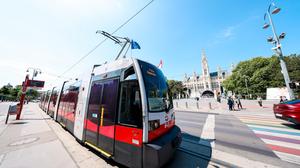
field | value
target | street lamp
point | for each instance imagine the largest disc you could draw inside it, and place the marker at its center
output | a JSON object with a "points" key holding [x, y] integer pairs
{"points": [[246, 85], [35, 72], [275, 40]]}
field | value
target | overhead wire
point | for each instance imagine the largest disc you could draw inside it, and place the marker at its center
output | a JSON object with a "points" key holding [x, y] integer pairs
{"points": [[100, 43]]}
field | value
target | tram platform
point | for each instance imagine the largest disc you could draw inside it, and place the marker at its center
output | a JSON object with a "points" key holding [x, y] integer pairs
{"points": [[38, 141]]}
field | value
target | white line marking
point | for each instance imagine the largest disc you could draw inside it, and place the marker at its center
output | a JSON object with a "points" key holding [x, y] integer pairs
{"points": [[277, 134], [239, 160], [288, 157], [208, 132], [274, 128], [282, 144]]}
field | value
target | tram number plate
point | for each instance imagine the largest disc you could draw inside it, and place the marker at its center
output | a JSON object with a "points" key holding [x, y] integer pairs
{"points": [[94, 115], [134, 141]]}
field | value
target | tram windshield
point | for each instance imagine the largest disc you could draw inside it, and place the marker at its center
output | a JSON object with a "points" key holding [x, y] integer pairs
{"points": [[156, 86]]}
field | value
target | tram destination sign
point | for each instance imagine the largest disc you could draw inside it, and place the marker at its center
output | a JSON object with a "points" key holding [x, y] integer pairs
{"points": [[36, 84]]}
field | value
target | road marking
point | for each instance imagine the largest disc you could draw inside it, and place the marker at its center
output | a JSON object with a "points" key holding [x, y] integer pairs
{"points": [[208, 133], [276, 138], [282, 140], [284, 149], [288, 157], [275, 131], [274, 128], [268, 125], [282, 144], [277, 134], [238, 160]]}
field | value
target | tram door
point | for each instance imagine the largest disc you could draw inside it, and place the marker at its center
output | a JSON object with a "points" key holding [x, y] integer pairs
{"points": [[100, 123]]}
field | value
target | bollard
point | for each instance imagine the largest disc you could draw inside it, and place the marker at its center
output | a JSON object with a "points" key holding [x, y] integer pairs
{"points": [[209, 105], [176, 104], [197, 105], [186, 105]]}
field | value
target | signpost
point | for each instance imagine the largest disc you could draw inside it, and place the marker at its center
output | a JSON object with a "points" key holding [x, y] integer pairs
{"points": [[27, 84]]}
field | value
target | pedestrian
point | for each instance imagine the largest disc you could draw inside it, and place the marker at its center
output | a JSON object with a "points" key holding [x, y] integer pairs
{"points": [[219, 98], [230, 103], [281, 99], [239, 103], [259, 100]]}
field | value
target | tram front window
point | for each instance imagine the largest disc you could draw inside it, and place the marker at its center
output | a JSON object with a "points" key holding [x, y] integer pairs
{"points": [[157, 91]]}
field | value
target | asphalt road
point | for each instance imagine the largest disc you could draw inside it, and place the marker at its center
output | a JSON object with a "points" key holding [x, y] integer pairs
{"points": [[229, 135]]}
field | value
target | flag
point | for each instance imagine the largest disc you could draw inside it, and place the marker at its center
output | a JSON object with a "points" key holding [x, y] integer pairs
{"points": [[160, 64], [135, 45]]}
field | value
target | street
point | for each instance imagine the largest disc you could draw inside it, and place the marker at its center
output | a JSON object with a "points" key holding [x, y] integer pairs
{"points": [[232, 139], [252, 133]]}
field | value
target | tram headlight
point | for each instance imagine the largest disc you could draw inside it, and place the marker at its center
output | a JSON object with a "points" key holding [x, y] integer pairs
{"points": [[153, 125]]}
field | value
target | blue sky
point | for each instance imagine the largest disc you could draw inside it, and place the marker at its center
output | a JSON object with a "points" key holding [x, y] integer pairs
{"points": [[53, 34]]}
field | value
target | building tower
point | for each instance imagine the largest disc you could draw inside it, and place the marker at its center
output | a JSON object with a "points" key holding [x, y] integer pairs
{"points": [[205, 72]]}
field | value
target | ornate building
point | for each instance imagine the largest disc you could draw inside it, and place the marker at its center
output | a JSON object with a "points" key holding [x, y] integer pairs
{"points": [[207, 84]]}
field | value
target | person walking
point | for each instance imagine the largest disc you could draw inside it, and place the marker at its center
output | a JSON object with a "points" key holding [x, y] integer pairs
{"points": [[219, 97], [281, 99], [230, 103], [239, 103], [259, 100]]}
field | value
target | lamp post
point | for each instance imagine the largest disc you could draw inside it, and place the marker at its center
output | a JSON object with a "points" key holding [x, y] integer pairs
{"points": [[246, 85], [24, 88], [35, 72], [277, 49]]}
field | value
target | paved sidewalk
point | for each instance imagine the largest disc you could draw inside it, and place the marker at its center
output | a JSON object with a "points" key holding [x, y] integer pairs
{"points": [[38, 141], [213, 107]]}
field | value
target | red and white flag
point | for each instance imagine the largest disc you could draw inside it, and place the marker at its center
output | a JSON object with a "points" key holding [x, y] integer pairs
{"points": [[160, 65]]}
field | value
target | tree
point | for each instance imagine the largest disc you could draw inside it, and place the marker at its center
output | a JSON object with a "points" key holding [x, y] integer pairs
{"points": [[4, 90], [176, 87], [31, 94], [14, 93], [261, 73]]}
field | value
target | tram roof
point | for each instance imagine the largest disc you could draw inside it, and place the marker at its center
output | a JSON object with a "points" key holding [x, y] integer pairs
{"points": [[114, 66]]}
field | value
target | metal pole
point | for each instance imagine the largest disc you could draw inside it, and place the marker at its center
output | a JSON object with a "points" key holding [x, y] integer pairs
{"points": [[122, 49], [22, 98], [247, 87], [33, 74], [280, 55]]}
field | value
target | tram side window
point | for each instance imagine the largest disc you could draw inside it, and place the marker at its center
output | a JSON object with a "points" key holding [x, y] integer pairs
{"points": [[130, 112]]}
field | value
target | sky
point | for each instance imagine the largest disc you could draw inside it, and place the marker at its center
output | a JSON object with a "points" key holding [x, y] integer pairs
{"points": [[54, 34]]}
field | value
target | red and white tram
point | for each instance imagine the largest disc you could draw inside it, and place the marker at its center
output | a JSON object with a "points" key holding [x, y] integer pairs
{"points": [[122, 109]]}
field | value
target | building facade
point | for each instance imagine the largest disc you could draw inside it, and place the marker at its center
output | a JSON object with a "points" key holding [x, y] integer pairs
{"points": [[207, 84]]}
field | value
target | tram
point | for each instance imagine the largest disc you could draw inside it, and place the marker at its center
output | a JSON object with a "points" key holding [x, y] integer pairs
{"points": [[123, 109]]}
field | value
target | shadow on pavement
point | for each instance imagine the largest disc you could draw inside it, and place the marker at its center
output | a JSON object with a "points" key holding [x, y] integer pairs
{"points": [[193, 152], [18, 123], [107, 160], [29, 119], [291, 125]]}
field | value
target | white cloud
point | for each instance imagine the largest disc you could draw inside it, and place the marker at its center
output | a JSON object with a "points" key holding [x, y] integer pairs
{"points": [[229, 32]]}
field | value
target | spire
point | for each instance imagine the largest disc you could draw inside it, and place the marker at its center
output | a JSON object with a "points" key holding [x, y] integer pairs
{"points": [[203, 55], [219, 71], [204, 63]]}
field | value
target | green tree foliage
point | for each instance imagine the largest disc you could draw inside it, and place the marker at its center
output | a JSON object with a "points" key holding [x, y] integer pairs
{"points": [[14, 93], [4, 90], [176, 87], [261, 73]]}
